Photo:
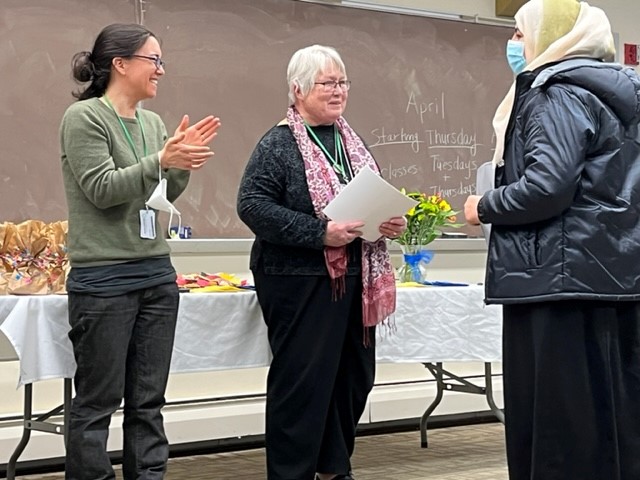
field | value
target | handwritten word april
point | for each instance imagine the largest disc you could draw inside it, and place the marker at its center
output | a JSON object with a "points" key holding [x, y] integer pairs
{"points": [[429, 108]]}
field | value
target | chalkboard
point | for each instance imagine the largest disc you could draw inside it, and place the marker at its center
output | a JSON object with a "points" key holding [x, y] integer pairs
{"points": [[423, 95], [37, 40]]}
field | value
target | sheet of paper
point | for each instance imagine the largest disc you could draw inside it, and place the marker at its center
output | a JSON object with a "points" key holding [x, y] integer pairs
{"points": [[371, 199]]}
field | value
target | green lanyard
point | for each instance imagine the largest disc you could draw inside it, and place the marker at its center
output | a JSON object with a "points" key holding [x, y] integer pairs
{"points": [[337, 161], [126, 131]]}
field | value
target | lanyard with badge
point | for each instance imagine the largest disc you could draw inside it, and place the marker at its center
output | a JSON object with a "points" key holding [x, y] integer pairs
{"points": [[147, 216], [339, 159]]}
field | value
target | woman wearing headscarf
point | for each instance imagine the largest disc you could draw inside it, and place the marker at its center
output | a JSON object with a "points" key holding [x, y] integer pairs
{"points": [[322, 289], [565, 239]]}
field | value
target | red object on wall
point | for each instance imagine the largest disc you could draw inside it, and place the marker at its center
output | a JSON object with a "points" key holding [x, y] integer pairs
{"points": [[630, 54]]}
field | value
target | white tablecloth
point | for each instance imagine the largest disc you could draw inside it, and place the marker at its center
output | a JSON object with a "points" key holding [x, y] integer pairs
{"points": [[223, 331], [440, 324]]}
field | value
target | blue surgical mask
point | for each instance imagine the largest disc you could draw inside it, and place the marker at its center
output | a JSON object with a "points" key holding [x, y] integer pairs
{"points": [[515, 56]]}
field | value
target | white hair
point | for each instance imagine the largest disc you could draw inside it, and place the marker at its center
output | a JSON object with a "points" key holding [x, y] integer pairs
{"points": [[306, 64]]}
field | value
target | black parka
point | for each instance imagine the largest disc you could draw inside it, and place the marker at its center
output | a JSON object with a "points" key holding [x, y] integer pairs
{"points": [[565, 213]]}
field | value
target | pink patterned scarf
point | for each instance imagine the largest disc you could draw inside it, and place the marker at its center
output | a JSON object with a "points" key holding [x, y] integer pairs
{"points": [[378, 283]]}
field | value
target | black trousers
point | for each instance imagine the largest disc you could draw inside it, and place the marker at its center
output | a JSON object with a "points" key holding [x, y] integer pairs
{"points": [[572, 390], [320, 375]]}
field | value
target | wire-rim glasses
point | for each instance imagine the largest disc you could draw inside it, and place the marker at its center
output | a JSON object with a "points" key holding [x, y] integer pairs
{"points": [[330, 85], [154, 58]]}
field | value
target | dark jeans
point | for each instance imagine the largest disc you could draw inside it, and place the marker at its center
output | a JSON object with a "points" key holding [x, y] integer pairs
{"points": [[122, 346]]}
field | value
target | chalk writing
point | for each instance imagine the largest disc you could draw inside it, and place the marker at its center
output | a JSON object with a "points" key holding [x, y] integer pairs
{"points": [[458, 139], [442, 165], [430, 108], [444, 156], [396, 138], [461, 190], [391, 172]]}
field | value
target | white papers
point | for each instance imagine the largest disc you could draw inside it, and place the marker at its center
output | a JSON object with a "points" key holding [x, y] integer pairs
{"points": [[370, 199]]}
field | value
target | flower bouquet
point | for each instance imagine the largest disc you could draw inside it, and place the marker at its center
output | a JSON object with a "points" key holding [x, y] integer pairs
{"points": [[424, 225]]}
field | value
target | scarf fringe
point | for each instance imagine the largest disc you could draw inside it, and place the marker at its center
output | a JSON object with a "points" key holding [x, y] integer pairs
{"points": [[388, 326], [366, 337], [338, 287], [380, 311]]}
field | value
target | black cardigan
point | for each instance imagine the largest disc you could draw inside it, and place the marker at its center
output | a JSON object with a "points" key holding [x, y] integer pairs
{"points": [[274, 202]]}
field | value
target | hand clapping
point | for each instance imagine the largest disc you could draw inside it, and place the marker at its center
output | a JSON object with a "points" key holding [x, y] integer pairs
{"points": [[188, 148], [202, 132]]}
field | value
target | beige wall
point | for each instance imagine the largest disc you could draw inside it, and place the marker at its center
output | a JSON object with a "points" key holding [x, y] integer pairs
{"points": [[623, 14]]}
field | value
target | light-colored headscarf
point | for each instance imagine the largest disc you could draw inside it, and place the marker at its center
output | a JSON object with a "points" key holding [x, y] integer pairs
{"points": [[555, 30]]}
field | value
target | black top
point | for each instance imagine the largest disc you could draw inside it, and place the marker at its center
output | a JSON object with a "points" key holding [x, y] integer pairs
{"points": [[326, 135], [122, 278], [274, 202]]}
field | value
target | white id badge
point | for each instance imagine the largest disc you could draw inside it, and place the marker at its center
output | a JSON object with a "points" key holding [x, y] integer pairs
{"points": [[148, 224]]}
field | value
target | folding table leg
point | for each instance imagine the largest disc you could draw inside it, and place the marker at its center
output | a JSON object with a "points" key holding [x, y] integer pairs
{"points": [[488, 382], [40, 424], [436, 371], [447, 381], [67, 409], [26, 432]]}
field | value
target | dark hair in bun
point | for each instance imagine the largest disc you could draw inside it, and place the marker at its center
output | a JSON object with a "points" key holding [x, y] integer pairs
{"points": [[116, 40]]}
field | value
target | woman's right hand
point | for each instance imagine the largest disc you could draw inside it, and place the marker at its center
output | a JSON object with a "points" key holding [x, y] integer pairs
{"points": [[471, 209], [177, 153], [339, 234]]}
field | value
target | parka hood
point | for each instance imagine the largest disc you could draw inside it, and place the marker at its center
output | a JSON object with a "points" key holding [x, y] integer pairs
{"points": [[616, 86]]}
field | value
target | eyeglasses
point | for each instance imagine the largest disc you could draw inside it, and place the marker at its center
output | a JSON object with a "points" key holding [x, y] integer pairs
{"points": [[154, 58], [330, 85]]}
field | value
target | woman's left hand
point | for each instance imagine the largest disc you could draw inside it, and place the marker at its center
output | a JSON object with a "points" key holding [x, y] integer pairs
{"points": [[394, 227], [202, 132]]}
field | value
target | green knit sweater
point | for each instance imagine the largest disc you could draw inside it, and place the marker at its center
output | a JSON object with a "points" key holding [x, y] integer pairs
{"points": [[106, 185]]}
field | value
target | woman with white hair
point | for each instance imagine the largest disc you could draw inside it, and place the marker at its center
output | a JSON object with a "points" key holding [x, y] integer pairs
{"points": [[322, 288], [564, 245]]}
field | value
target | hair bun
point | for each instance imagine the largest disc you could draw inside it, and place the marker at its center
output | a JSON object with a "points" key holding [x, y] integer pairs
{"points": [[83, 67]]}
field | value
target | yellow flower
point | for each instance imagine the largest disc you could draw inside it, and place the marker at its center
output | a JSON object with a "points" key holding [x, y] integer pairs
{"points": [[424, 221]]}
